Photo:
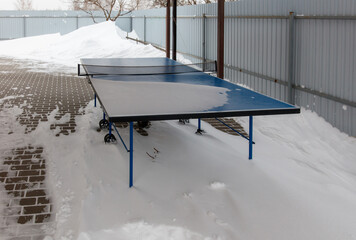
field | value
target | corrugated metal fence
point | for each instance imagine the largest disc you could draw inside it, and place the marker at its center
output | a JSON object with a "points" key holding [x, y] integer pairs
{"points": [[317, 58]]}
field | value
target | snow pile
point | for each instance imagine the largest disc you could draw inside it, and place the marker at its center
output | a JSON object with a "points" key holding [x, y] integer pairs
{"points": [[94, 41], [142, 230], [217, 185]]}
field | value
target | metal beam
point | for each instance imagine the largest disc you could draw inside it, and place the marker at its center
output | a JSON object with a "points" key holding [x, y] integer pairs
{"points": [[168, 29], [250, 139], [204, 41], [174, 47], [327, 17], [206, 16], [131, 155], [291, 98], [241, 17], [220, 48], [144, 28]]}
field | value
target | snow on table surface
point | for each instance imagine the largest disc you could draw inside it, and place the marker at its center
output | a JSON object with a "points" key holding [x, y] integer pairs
{"points": [[300, 185], [156, 98]]}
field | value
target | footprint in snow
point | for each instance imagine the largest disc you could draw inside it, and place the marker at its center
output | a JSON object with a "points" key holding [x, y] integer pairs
{"points": [[217, 220], [187, 195], [217, 185]]}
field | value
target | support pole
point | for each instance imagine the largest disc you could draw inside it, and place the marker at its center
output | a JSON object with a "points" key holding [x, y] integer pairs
{"points": [[130, 23], [221, 13], [131, 154], [291, 59], [250, 139], [24, 27], [174, 47], [203, 43], [168, 29], [144, 29], [103, 115], [94, 99]]}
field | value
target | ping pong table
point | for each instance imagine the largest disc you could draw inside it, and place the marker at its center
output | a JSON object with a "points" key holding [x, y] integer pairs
{"points": [[150, 89]]}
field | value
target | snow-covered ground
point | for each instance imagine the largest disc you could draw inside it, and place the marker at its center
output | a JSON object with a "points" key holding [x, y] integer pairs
{"points": [[300, 184]]}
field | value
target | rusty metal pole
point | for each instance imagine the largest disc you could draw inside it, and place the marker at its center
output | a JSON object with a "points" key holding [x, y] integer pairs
{"points": [[220, 48], [174, 46], [168, 29]]}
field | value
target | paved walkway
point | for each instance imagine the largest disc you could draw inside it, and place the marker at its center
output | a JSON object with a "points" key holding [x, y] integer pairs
{"points": [[28, 212]]}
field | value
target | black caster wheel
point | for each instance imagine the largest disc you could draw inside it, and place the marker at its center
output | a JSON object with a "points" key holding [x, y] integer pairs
{"points": [[183, 121], [143, 124], [103, 124], [109, 138]]}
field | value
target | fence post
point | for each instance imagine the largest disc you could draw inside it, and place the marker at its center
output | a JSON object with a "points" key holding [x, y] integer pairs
{"points": [[291, 99], [174, 32], [24, 27], [77, 21], [220, 38], [203, 43], [144, 28], [131, 24]]}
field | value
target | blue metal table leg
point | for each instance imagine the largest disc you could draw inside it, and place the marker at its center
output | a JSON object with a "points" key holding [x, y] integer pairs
{"points": [[199, 130], [250, 139], [131, 154], [94, 99]]}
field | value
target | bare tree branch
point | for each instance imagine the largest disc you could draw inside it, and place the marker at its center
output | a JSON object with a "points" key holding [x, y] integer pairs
{"points": [[23, 5], [112, 9]]}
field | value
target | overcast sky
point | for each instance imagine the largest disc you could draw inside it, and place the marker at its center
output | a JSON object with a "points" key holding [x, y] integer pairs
{"points": [[37, 4]]}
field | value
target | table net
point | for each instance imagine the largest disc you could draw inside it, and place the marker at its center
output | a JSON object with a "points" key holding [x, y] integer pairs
{"points": [[145, 70]]}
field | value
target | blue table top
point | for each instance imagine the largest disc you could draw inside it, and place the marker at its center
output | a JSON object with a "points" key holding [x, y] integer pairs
{"points": [[240, 101]]}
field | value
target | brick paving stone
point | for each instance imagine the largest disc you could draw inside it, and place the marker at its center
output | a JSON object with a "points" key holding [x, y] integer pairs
{"points": [[16, 179], [9, 187], [37, 179], [27, 201], [36, 209], [231, 122], [40, 218], [36, 193], [24, 219], [43, 200]]}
